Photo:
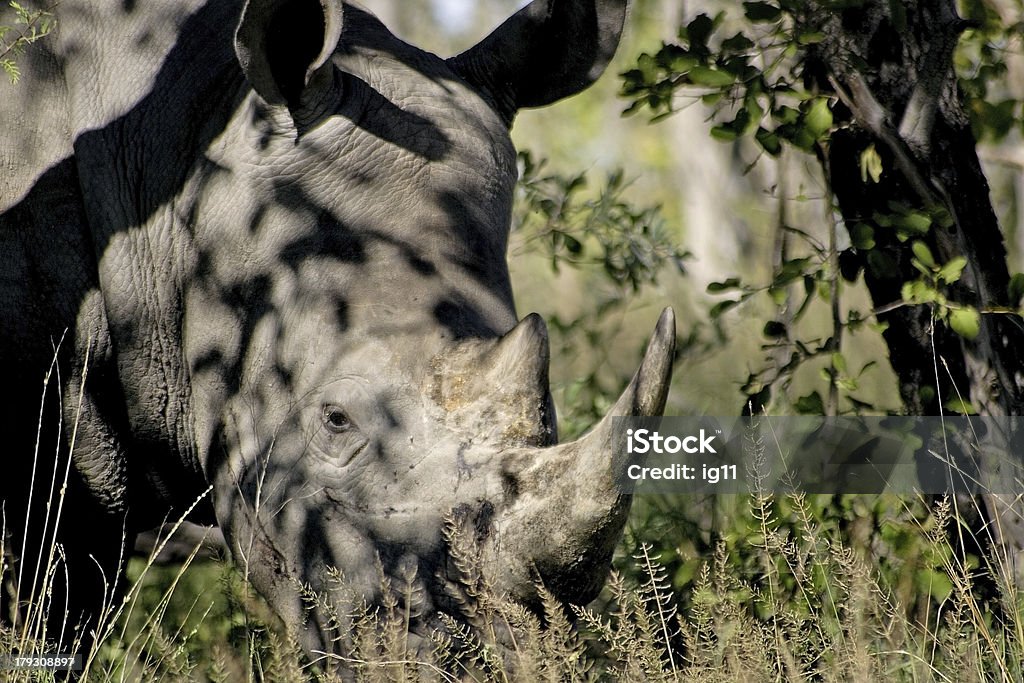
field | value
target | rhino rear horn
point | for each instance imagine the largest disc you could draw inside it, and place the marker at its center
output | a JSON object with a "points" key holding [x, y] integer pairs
{"points": [[517, 370], [548, 50], [521, 357], [511, 374], [282, 45]]}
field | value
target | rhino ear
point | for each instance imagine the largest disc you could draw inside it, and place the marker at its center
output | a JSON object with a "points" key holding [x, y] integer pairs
{"points": [[282, 45], [548, 50]]}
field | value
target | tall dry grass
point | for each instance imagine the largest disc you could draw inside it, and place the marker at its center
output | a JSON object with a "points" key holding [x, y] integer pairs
{"points": [[789, 599]]}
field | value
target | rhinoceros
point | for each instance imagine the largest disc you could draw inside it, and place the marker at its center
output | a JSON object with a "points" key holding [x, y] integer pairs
{"points": [[253, 269]]}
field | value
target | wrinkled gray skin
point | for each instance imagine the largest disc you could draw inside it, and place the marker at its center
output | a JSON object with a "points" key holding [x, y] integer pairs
{"points": [[271, 242]]}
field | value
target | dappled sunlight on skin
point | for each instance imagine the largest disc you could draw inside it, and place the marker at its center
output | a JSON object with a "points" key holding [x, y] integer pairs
{"points": [[302, 297], [361, 469]]}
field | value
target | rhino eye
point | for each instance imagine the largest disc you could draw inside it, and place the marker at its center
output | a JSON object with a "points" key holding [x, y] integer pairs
{"points": [[336, 420]]}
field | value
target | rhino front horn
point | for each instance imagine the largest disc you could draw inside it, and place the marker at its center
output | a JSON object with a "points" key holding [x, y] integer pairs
{"points": [[645, 396], [567, 529]]}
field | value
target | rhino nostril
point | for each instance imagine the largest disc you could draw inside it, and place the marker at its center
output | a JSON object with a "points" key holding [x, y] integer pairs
{"points": [[510, 485]]}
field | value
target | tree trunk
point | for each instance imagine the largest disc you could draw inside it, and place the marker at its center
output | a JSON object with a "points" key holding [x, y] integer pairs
{"points": [[890, 65]]}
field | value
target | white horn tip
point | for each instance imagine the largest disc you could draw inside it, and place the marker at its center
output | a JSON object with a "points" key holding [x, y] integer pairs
{"points": [[654, 378], [647, 392]]}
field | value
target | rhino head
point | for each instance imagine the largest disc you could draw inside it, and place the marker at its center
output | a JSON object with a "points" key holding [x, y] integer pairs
{"points": [[385, 382]]}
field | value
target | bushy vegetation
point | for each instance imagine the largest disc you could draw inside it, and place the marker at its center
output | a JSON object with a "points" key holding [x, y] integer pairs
{"points": [[27, 26]]}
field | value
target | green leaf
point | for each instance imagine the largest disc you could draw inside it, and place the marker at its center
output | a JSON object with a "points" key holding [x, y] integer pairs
{"points": [[942, 217], [11, 69], [997, 120], [1016, 289], [803, 138], [769, 141], [811, 404], [849, 265], [698, 30], [737, 44], [862, 236], [646, 69], [721, 307], [883, 220], [923, 253], [761, 12], [934, 583], [810, 38], [919, 292], [681, 62], [724, 133], [790, 270], [951, 270], [965, 321], [818, 120], [847, 383], [881, 264], [755, 112], [712, 78], [839, 362], [733, 129], [686, 572], [958, 405], [914, 221], [870, 165], [785, 115], [718, 287], [711, 98]]}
